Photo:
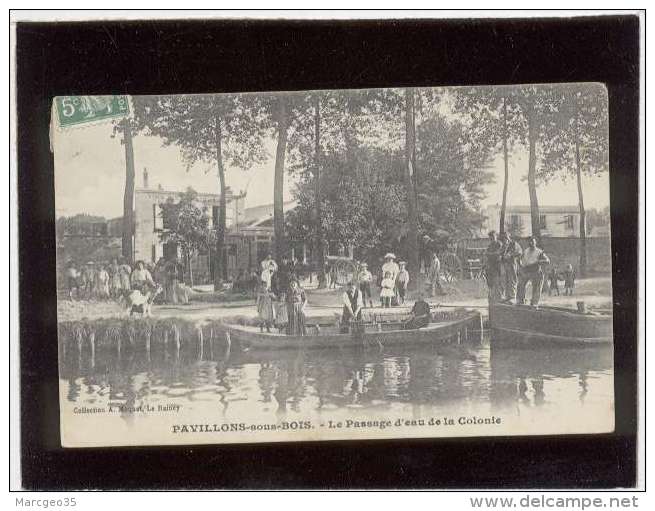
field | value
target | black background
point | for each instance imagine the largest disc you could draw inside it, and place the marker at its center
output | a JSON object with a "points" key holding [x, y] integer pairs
{"points": [[172, 57]]}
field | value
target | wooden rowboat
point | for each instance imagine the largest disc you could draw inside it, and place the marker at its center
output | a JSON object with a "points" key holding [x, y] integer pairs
{"points": [[454, 328], [516, 325]]}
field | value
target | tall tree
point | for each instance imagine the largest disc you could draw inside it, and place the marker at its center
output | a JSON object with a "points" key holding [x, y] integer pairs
{"points": [[220, 129], [576, 144], [494, 121], [322, 123], [410, 165], [282, 130], [128, 196], [320, 242], [503, 207], [539, 105]]}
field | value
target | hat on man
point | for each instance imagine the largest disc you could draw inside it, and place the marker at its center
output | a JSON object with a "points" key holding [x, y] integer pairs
{"points": [[390, 255], [402, 263], [364, 265]]}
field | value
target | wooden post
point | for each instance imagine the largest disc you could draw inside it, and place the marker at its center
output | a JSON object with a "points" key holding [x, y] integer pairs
{"points": [[176, 338], [200, 342], [92, 346], [148, 340]]}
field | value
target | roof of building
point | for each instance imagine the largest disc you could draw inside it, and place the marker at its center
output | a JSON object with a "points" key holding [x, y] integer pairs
{"points": [[542, 209], [201, 195], [258, 215]]}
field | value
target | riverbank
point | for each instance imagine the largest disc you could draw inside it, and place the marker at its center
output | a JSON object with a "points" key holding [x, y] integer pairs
{"points": [[595, 292]]}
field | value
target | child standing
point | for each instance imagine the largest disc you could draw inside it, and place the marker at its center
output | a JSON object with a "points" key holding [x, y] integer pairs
{"points": [[386, 294], [102, 283], [569, 280], [402, 281], [553, 284], [365, 279], [281, 315], [265, 308]]}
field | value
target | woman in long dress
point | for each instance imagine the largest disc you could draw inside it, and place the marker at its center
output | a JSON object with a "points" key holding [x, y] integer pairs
{"points": [[115, 287], [297, 300], [102, 283], [125, 272]]}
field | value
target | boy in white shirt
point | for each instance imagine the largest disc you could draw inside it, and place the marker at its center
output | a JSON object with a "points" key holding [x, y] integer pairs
{"points": [[402, 282], [365, 279]]}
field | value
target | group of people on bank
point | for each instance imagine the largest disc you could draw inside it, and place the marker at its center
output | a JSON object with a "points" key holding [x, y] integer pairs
{"points": [[281, 300], [509, 269], [116, 279], [393, 281]]}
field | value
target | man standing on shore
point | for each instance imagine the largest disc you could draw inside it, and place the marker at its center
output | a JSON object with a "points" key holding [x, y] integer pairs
{"points": [[532, 262], [433, 276], [510, 255], [492, 268]]}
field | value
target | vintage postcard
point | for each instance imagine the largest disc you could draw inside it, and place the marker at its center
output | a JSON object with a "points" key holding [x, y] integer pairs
{"points": [[333, 264]]}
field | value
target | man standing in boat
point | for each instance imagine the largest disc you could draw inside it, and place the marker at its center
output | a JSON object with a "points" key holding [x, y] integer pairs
{"points": [[511, 253], [352, 306], [492, 267], [532, 262]]}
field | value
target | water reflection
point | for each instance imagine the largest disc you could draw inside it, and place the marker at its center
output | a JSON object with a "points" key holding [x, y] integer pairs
{"points": [[420, 380]]}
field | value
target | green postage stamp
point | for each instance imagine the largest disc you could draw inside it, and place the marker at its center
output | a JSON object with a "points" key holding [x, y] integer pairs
{"points": [[73, 110]]}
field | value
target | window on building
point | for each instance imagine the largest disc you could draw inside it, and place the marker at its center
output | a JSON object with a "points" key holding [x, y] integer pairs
{"points": [[514, 221], [157, 220], [163, 222], [99, 229], [570, 222]]}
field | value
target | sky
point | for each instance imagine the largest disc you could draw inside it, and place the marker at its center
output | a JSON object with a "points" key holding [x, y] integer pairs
{"points": [[90, 175]]}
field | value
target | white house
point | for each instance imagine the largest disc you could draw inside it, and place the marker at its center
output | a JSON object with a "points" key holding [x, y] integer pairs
{"points": [[556, 221]]}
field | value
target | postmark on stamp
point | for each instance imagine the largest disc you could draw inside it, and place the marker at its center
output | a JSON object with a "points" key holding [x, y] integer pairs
{"points": [[73, 110]]}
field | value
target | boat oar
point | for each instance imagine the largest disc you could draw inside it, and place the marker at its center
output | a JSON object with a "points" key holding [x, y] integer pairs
{"points": [[459, 306]]}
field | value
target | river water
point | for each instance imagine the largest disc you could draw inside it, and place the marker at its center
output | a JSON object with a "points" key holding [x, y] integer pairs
{"points": [[558, 390]]}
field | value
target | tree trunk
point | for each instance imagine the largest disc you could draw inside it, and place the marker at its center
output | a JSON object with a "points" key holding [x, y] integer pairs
{"points": [[503, 207], [532, 173], [278, 186], [128, 197], [319, 258], [188, 262], [583, 215], [220, 268], [412, 210]]}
